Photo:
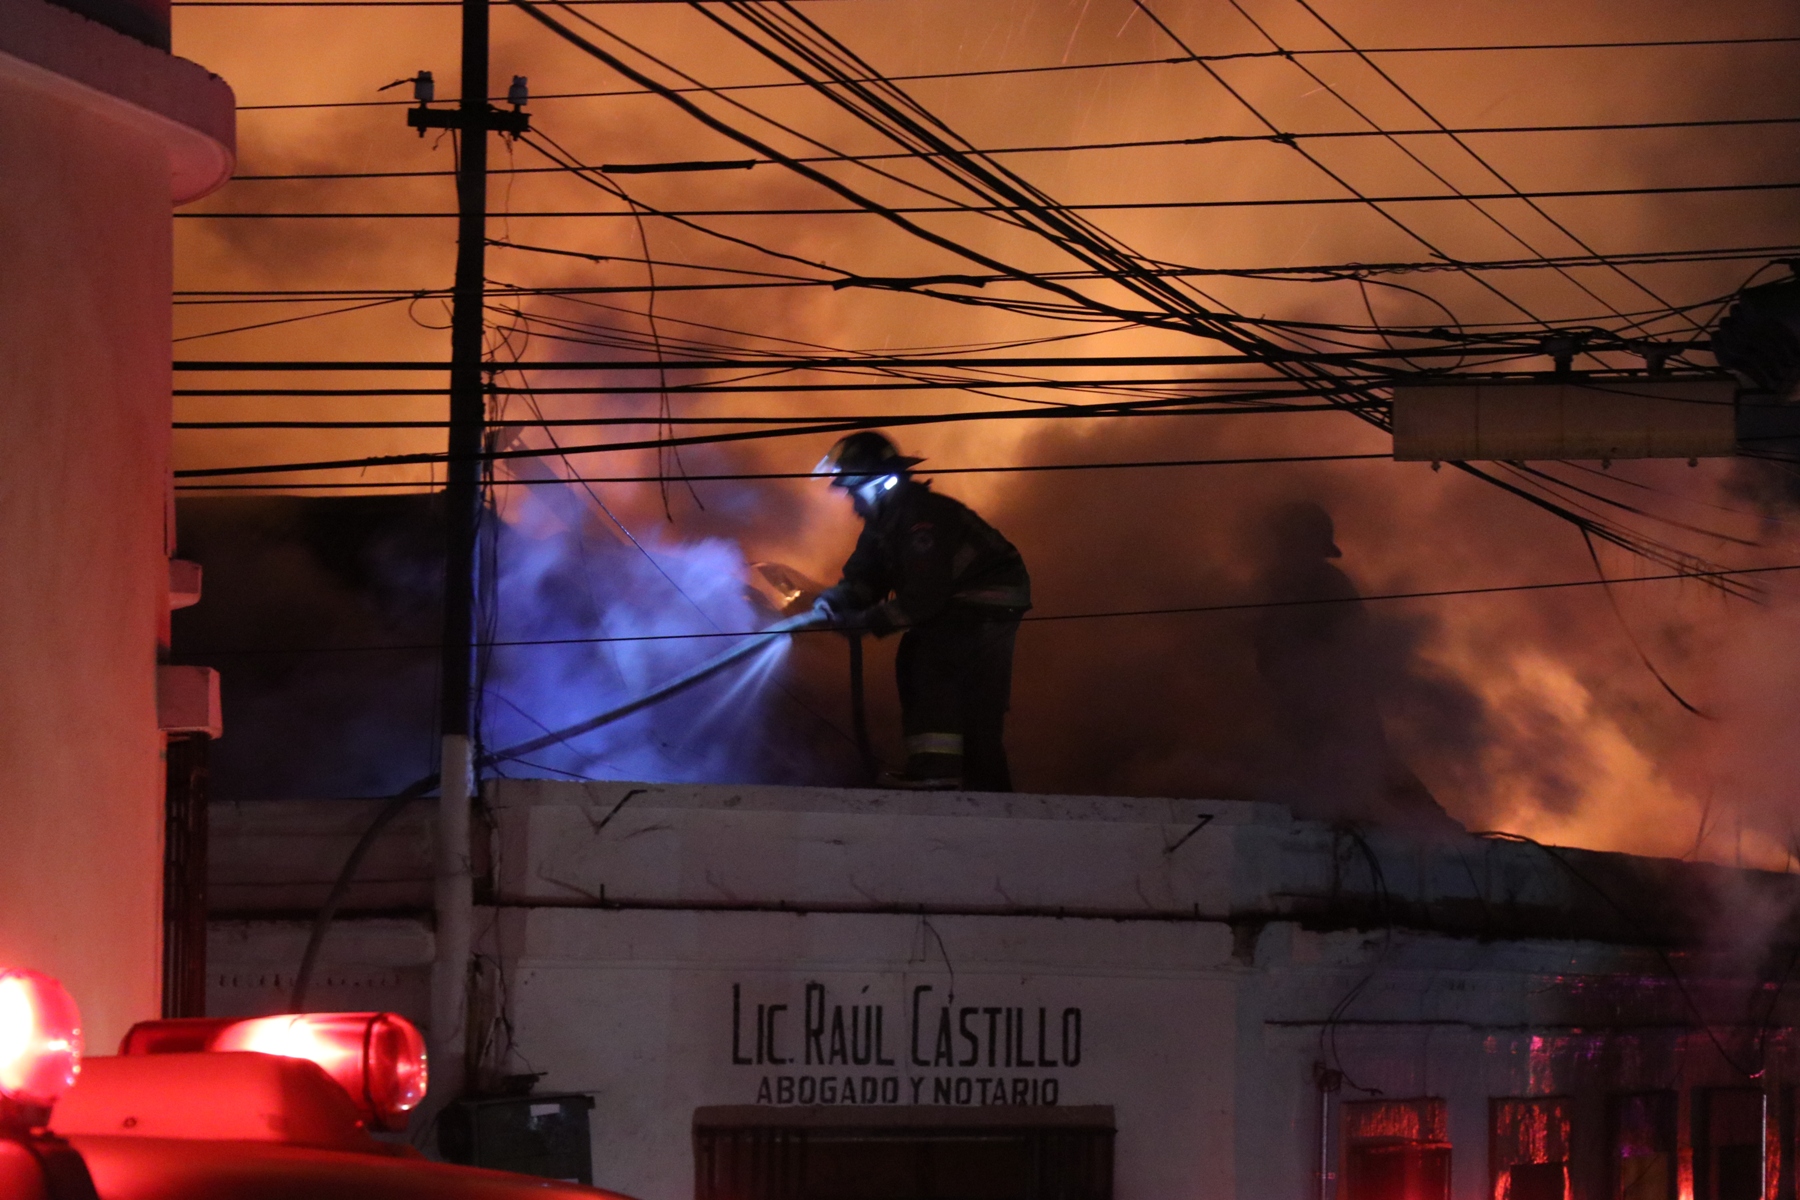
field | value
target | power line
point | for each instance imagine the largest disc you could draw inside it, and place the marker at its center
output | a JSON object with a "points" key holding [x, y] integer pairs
{"points": [[848, 362], [1320, 52], [529, 248], [963, 250], [549, 148], [763, 117], [1244, 403], [1039, 618], [895, 114], [923, 287], [1414, 156], [1054, 221], [1487, 166], [614, 337], [390, 3], [332, 312], [924, 385], [1318, 272], [985, 209], [1067, 236], [770, 476], [1138, 144], [730, 87]]}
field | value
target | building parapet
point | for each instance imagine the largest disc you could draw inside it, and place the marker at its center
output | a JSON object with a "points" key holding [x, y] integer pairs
{"points": [[78, 54]]}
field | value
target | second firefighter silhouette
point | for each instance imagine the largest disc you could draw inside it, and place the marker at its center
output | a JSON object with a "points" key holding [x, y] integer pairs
{"points": [[928, 565]]}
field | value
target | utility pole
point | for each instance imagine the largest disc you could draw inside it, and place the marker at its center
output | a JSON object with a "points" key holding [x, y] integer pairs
{"points": [[452, 893]]}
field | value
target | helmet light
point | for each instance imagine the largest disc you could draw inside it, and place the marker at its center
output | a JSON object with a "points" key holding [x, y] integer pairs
{"points": [[40, 1039], [378, 1058]]}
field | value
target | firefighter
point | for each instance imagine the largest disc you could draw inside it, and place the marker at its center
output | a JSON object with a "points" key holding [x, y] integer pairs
{"points": [[1327, 673], [928, 565]]}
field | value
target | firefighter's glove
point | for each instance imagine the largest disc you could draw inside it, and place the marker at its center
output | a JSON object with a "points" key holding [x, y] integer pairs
{"points": [[829, 610]]}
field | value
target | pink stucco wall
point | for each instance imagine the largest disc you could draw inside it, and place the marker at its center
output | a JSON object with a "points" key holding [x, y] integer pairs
{"points": [[84, 400], [85, 277]]}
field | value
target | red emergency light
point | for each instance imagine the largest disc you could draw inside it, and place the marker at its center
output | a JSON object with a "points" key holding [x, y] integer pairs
{"points": [[40, 1043], [378, 1058]]}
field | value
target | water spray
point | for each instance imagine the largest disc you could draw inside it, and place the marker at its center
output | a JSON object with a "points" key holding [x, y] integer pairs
{"points": [[680, 683], [394, 807]]}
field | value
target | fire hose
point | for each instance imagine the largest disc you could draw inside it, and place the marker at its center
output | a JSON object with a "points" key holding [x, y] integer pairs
{"points": [[418, 788]]}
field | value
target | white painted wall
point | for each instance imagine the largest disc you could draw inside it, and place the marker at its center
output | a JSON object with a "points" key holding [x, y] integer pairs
{"points": [[631, 920], [638, 1007]]}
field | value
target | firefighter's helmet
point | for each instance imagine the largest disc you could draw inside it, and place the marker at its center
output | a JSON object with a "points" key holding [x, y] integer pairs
{"points": [[863, 456], [1304, 529]]}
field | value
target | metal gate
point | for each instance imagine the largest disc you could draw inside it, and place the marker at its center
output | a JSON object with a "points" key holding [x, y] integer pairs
{"points": [[903, 1153]]}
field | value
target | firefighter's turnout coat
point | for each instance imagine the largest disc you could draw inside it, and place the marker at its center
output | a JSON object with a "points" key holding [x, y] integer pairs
{"points": [[921, 554]]}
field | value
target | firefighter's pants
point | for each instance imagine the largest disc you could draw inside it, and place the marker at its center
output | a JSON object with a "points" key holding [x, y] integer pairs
{"points": [[955, 676]]}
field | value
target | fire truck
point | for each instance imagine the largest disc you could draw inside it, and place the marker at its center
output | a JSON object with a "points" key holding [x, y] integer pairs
{"points": [[260, 1108]]}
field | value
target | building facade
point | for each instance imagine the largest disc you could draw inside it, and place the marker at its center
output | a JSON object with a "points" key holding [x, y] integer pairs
{"points": [[801, 993], [102, 132]]}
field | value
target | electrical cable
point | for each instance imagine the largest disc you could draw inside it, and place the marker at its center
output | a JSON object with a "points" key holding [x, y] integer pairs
{"points": [[742, 336], [194, 337], [888, 211], [1034, 618], [559, 481], [1315, 273], [894, 115], [976, 74], [689, 389], [866, 361], [747, 110], [600, 258], [1474, 202], [536, 143], [1060, 231], [1072, 147], [1245, 403], [1530, 201], [1631, 638]]}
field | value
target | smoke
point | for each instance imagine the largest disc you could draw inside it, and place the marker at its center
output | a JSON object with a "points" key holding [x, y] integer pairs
{"points": [[1179, 703], [615, 617], [1532, 712], [322, 618]]}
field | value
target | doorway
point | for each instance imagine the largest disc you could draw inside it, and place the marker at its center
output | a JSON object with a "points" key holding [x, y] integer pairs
{"points": [[903, 1153]]}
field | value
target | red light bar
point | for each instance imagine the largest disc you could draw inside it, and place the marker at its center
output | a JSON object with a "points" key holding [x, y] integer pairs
{"points": [[378, 1058], [40, 1039]]}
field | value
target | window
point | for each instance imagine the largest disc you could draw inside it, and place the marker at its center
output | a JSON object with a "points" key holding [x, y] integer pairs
{"points": [[1728, 1136], [1643, 1151], [1395, 1150], [1528, 1149]]}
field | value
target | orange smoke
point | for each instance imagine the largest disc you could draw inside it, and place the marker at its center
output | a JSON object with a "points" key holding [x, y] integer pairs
{"points": [[1529, 712]]}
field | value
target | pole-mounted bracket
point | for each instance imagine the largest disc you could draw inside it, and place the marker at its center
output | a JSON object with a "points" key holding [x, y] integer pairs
{"points": [[498, 120]]}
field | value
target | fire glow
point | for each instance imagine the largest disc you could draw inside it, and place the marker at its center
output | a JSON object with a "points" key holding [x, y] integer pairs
{"points": [[1546, 721]]}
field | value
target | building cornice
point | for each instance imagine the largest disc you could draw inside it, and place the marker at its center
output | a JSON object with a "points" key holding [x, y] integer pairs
{"points": [[189, 110]]}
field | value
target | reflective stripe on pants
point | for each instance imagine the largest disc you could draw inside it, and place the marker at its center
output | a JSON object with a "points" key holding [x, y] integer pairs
{"points": [[955, 675]]}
